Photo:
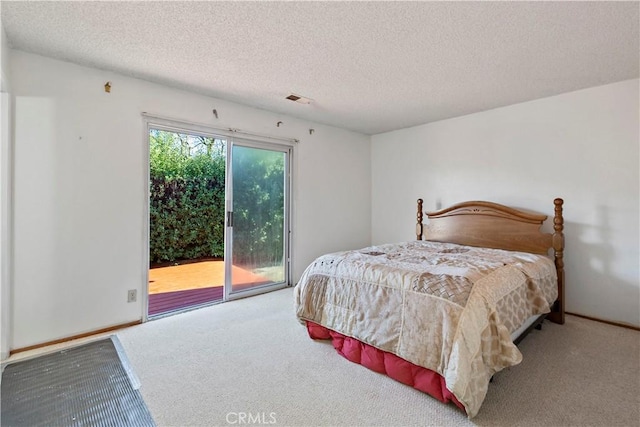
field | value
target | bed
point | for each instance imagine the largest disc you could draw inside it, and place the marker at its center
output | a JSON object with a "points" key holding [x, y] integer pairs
{"points": [[443, 314]]}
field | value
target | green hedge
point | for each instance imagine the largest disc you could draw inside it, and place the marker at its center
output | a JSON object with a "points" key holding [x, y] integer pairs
{"points": [[187, 177], [187, 201], [187, 218]]}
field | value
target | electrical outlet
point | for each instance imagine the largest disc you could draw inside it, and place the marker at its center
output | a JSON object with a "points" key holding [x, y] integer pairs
{"points": [[132, 295]]}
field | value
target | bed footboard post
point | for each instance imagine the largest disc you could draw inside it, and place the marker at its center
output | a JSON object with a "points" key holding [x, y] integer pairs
{"points": [[557, 311], [419, 219]]}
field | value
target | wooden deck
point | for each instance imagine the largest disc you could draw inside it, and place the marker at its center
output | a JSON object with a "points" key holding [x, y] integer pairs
{"points": [[178, 287]]}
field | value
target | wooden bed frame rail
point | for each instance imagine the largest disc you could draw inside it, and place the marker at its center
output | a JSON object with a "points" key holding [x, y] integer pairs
{"points": [[491, 225]]}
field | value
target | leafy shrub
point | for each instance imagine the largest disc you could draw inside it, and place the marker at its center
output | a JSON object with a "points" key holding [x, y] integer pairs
{"points": [[187, 176], [187, 201]]}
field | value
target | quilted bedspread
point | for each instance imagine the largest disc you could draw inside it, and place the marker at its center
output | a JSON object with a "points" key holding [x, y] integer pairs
{"points": [[445, 307]]}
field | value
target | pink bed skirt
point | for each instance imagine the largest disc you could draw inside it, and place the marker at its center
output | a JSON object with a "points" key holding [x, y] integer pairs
{"points": [[420, 378]]}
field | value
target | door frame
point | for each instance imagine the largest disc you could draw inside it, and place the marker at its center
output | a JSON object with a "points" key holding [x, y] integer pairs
{"points": [[230, 135]]}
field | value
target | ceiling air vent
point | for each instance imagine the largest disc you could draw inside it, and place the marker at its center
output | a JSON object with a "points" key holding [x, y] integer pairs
{"points": [[299, 99]]}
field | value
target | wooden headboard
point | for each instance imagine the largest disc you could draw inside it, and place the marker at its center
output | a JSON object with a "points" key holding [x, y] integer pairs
{"points": [[491, 225]]}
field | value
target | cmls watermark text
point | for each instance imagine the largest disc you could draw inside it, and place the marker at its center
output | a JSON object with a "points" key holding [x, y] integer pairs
{"points": [[246, 418]]}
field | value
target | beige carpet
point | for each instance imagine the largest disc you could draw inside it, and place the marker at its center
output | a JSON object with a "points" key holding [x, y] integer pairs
{"points": [[208, 367]]}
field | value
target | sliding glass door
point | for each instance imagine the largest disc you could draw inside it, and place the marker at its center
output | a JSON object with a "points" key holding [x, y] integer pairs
{"points": [[218, 212], [257, 217]]}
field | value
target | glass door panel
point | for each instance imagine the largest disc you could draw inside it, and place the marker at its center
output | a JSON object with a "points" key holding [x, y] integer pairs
{"points": [[259, 217]]}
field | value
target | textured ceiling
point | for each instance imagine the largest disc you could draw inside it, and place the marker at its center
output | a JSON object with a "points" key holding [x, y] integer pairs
{"points": [[368, 66]]}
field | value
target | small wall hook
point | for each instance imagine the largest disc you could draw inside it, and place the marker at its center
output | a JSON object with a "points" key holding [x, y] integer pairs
{"points": [[311, 131], [278, 124], [107, 87], [215, 113]]}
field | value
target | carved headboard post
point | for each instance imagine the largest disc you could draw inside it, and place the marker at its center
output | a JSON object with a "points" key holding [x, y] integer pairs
{"points": [[419, 219], [557, 312]]}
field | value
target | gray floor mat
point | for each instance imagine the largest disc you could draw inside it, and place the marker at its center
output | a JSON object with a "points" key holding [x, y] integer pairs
{"points": [[80, 386]]}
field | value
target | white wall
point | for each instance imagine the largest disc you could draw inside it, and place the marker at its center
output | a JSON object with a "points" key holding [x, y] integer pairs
{"points": [[80, 190], [582, 146], [5, 194], [79, 187], [4, 61]]}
